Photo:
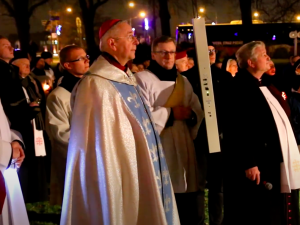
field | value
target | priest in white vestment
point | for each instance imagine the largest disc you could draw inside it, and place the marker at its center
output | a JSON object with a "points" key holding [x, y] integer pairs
{"points": [[116, 170], [58, 116], [13, 211], [177, 114]]}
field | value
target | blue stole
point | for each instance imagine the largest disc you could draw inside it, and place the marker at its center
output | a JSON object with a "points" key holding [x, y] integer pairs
{"points": [[139, 109]]}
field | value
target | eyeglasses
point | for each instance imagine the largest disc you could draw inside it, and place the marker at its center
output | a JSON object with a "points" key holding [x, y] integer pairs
{"points": [[85, 58], [165, 53], [129, 37], [211, 51]]}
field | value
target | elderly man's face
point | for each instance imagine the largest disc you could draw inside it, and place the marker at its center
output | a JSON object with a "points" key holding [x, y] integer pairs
{"points": [[262, 61], [24, 67], [182, 64], [126, 43]]}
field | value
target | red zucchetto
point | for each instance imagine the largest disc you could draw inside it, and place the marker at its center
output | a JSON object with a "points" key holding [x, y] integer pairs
{"points": [[180, 55], [106, 26]]}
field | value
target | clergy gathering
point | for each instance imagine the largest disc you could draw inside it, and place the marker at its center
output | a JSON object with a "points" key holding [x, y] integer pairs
{"points": [[143, 128]]}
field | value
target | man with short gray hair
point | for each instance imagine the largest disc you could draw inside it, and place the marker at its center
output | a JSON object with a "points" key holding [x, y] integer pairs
{"points": [[261, 147], [116, 170]]}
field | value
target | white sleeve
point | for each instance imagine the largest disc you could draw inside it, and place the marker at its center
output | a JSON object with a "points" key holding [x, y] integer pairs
{"points": [[160, 115], [16, 136], [58, 124], [5, 153]]}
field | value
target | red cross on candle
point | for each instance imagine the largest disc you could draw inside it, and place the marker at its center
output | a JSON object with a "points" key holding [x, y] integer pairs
{"points": [[39, 141]]}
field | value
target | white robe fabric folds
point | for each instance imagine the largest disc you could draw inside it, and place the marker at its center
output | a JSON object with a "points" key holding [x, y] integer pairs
{"points": [[177, 140], [111, 175], [290, 168], [58, 124], [14, 211]]}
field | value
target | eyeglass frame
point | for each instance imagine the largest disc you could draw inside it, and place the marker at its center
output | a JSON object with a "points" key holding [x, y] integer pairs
{"points": [[87, 57], [130, 37], [210, 51], [164, 53]]}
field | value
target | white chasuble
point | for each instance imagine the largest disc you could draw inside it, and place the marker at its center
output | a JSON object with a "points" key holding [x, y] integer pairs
{"points": [[177, 140], [116, 172], [290, 168], [14, 210]]}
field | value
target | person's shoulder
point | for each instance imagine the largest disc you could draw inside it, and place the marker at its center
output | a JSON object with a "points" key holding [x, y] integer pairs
{"points": [[144, 75], [93, 83], [58, 94]]}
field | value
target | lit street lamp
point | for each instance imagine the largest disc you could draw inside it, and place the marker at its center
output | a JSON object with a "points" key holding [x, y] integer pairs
{"points": [[256, 14], [131, 4], [202, 10], [142, 14], [298, 18], [69, 9]]}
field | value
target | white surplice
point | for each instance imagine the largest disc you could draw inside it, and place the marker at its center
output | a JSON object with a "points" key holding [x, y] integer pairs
{"points": [[290, 168], [58, 124], [177, 140], [14, 210]]}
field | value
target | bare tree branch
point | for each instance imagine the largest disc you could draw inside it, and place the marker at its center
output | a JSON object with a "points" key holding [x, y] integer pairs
{"points": [[99, 3], [9, 8], [33, 7], [278, 10]]}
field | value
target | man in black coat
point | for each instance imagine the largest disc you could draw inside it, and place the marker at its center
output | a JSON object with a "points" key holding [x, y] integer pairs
{"points": [[253, 151], [20, 114], [210, 165]]}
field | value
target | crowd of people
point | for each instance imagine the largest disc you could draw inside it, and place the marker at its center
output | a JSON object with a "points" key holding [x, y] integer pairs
{"points": [[122, 140]]}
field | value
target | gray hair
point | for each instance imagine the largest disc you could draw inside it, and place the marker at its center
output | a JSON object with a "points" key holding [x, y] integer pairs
{"points": [[247, 51], [112, 32]]}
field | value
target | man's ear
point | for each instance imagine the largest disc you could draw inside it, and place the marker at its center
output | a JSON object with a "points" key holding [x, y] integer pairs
{"points": [[112, 44], [250, 63], [66, 65], [152, 55]]}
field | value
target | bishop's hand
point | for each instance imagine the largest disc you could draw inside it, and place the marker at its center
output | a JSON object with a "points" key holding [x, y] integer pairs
{"points": [[253, 174]]}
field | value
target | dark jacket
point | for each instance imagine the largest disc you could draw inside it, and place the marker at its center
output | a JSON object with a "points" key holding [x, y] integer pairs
{"points": [[13, 98], [251, 140], [294, 101], [19, 113]]}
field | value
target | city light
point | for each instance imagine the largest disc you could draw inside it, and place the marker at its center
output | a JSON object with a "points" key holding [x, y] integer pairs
{"points": [[131, 4], [201, 10], [256, 14], [69, 9], [142, 14], [58, 30], [146, 24], [213, 23], [298, 18]]}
